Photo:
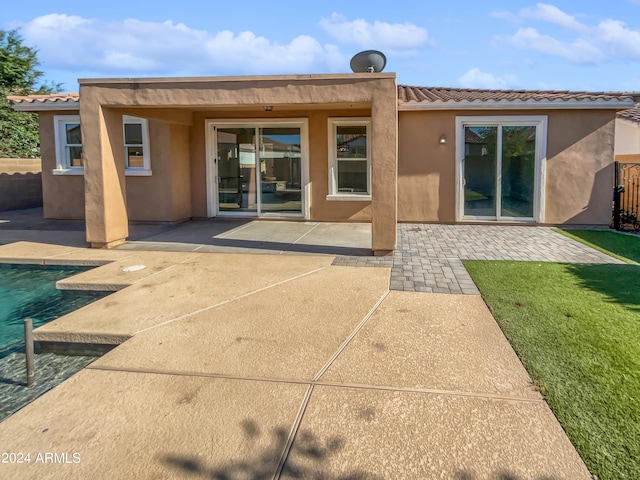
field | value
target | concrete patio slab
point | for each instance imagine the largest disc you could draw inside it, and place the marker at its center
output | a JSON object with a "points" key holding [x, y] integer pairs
{"points": [[224, 246], [288, 331], [32, 253], [194, 231], [125, 271], [375, 434], [198, 282], [88, 257], [351, 235], [48, 254], [433, 341], [125, 425], [226, 350], [259, 236], [71, 238], [271, 231]]}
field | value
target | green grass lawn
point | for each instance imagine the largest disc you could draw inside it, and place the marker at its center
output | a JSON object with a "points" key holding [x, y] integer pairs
{"points": [[622, 246], [576, 329]]}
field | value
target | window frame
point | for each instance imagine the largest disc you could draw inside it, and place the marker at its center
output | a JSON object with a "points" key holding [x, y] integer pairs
{"points": [[145, 170], [63, 162], [333, 124]]}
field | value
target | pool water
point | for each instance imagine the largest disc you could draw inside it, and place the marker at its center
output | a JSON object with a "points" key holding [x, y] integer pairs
{"points": [[29, 291]]}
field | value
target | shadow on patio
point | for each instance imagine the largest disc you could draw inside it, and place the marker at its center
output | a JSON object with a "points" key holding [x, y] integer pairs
{"points": [[205, 235]]}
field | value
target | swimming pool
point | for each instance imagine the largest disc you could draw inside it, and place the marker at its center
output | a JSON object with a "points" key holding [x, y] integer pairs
{"points": [[29, 291]]}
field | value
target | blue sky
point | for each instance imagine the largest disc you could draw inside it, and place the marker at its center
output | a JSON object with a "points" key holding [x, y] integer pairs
{"points": [[499, 44]]}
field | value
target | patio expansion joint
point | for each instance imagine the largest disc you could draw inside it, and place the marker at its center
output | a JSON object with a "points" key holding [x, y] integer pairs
{"points": [[320, 383], [306, 233], [350, 337], [231, 300], [292, 433], [233, 231]]}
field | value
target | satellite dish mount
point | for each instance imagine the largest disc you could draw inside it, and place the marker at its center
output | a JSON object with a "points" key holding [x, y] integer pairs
{"points": [[369, 61]]}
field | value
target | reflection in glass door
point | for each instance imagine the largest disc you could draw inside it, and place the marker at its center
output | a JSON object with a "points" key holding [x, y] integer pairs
{"points": [[259, 170], [498, 171], [480, 171], [280, 176], [518, 171], [237, 170]]}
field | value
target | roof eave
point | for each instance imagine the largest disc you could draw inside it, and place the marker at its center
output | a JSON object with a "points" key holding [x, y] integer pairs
{"points": [[68, 105], [518, 105]]}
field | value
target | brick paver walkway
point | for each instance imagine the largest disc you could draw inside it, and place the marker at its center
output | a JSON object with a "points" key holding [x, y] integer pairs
{"points": [[429, 256]]}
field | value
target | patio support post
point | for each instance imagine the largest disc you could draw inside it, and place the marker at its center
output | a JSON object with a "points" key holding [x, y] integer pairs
{"points": [[384, 169], [104, 179]]}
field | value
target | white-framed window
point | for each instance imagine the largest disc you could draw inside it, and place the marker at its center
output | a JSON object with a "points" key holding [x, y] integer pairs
{"points": [[349, 159], [136, 146], [68, 137]]}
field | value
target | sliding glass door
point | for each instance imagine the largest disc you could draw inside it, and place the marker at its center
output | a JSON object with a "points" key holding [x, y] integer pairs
{"points": [[499, 166], [236, 170], [280, 176], [517, 175], [258, 169], [480, 163]]}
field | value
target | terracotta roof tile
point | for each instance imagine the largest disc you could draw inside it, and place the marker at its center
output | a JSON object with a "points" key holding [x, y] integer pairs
{"points": [[411, 94], [439, 94], [48, 99], [632, 115]]}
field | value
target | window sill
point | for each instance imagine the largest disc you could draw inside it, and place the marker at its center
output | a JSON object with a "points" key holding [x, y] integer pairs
{"points": [[349, 198], [130, 172], [68, 171]]}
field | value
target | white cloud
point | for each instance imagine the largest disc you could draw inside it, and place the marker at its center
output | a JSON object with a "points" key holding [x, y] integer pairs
{"points": [[76, 43], [579, 51], [553, 14], [476, 78], [395, 37], [512, 17], [606, 40], [620, 40]]}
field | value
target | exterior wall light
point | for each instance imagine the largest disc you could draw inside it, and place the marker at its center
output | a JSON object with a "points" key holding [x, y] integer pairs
{"points": [[443, 139], [268, 108]]}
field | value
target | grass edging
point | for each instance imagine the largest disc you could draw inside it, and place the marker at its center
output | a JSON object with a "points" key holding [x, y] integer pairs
{"points": [[603, 234]]}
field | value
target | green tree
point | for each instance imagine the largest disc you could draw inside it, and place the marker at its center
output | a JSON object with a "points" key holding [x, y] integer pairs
{"points": [[19, 76]]}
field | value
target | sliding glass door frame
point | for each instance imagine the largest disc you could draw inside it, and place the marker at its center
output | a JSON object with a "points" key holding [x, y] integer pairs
{"points": [[540, 124], [213, 179]]}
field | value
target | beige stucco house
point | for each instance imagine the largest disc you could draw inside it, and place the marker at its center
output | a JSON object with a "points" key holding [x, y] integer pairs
{"points": [[348, 147]]}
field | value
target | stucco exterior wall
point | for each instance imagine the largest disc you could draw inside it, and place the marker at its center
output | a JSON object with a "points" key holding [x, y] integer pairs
{"points": [[579, 167], [426, 168], [164, 196], [578, 180], [627, 138], [62, 195]]}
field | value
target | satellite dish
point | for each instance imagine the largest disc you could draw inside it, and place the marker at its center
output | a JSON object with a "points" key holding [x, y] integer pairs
{"points": [[369, 61]]}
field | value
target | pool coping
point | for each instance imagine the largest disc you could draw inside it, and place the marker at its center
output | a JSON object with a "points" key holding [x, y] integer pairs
{"points": [[81, 343]]}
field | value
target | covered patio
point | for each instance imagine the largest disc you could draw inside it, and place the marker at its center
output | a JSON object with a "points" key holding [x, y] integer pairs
{"points": [[198, 128]]}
